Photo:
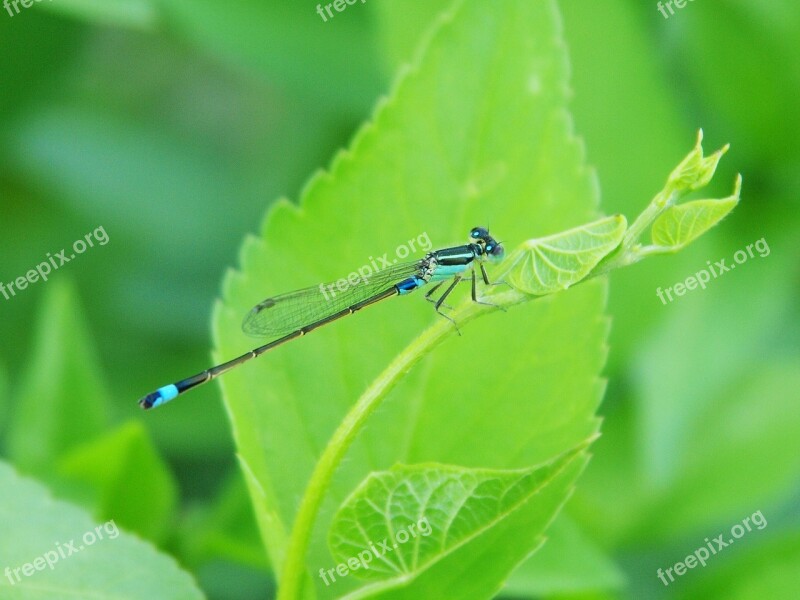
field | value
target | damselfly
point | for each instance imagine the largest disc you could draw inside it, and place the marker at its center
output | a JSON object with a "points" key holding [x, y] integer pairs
{"points": [[295, 314]]}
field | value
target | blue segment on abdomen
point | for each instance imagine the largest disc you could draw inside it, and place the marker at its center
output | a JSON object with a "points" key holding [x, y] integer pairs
{"points": [[447, 271], [167, 393], [410, 284]]}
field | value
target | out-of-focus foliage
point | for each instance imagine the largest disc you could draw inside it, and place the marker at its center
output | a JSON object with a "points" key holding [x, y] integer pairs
{"points": [[73, 556]]}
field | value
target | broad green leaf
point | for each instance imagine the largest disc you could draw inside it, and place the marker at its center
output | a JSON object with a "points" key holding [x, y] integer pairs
{"points": [[425, 512], [568, 563], [99, 561], [554, 263], [402, 27], [126, 480], [62, 397], [475, 133]]}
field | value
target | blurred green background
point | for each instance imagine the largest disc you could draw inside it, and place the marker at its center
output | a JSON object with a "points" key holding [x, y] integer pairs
{"points": [[174, 125]]}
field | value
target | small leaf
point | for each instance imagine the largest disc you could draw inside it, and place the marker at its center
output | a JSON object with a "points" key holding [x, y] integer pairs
{"points": [[96, 561], [425, 512], [694, 171], [680, 225], [546, 265], [127, 478]]}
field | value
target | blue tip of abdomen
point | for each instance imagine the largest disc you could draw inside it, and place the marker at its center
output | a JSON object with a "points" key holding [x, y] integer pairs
{"points": [[160, 396]]}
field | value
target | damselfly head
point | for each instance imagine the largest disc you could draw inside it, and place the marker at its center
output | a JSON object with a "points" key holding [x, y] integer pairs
{"points": [[491, 247]]}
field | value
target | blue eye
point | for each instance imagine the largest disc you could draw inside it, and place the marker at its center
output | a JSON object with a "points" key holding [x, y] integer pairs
{"points": [[489, 247]]}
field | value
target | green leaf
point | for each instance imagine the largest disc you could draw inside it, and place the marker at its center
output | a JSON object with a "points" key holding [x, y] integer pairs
{"points": [[126, 479], [554, 263], [98, 561], [696, 170], [402, 27], [680, 225], [427, 512], [62, 397], [476, 133], [479, 561]]}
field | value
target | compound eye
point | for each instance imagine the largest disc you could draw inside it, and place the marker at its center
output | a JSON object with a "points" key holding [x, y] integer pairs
{"points": [[479, 233], [496, 251]]}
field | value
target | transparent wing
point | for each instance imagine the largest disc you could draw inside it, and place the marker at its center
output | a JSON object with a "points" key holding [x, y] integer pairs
{"points": [[289, 312]]}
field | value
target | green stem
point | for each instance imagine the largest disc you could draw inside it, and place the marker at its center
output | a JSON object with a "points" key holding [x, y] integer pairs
{"points": [[294, 567], [659, 204], [630, 251]]}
